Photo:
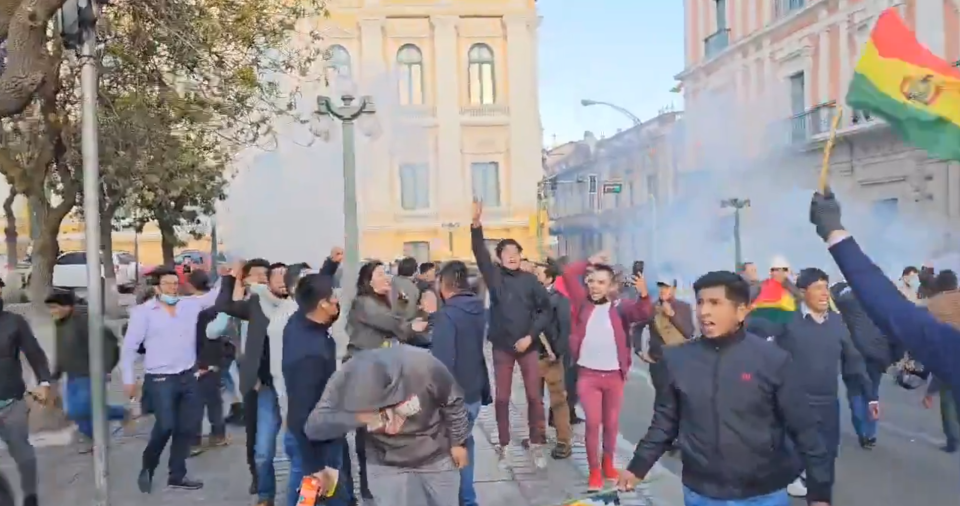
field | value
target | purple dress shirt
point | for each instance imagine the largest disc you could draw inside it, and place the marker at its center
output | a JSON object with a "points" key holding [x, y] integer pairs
{"points": [[169, 339]]}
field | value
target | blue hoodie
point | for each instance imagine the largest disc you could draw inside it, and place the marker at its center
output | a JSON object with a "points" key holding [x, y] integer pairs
{"points": [[457, 341], [309, 361]]}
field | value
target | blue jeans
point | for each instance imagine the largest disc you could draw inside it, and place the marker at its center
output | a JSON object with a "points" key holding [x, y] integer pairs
{"points": [[79, 405], [778, 498], [468, 495], [863, 425], [296, 468], [176, 405], [265, 443]]}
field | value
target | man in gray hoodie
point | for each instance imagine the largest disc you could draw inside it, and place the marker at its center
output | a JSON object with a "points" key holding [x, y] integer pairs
{"points": [[417, 425]]}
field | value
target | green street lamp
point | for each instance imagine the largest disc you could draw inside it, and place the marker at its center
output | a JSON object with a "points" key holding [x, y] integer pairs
{"points": [[350, 111], [737, 204]]}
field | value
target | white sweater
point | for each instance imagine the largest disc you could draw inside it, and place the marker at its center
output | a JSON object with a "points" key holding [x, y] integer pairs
{"points": [[278, 321], [599, 348]]}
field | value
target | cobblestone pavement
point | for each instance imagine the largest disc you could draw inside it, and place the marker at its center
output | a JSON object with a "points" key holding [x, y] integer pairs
{"points": [[562, 480]]}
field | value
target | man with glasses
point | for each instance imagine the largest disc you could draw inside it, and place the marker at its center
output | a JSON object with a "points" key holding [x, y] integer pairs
{"points": [[166, 327]]}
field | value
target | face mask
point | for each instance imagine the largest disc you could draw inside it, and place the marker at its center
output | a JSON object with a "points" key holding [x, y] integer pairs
{"points": [[258, 288], [913, 280], [169, 299]]}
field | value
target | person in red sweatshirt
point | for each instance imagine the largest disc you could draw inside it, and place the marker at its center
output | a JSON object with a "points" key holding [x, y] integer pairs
{"points": [[600, 348]]}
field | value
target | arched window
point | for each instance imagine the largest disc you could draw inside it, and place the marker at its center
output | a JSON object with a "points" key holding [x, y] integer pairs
{"points": [[410, 61], [482, 85], [338, 62]]}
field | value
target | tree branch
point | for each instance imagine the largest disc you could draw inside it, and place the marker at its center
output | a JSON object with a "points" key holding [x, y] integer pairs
{"points": [[26, 36]]}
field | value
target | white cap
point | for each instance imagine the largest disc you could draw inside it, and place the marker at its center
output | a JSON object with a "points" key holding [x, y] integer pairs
{"points": [[779, 262], [666, 280]]}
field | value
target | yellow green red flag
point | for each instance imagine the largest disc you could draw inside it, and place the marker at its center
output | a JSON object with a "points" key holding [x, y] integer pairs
{"points": [[916, 92], [774, 302]]}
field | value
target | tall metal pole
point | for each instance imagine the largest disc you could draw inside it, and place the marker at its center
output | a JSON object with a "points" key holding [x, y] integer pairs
{"points": [[737, 253], [91, 210], [214, 247], [351, 224]]}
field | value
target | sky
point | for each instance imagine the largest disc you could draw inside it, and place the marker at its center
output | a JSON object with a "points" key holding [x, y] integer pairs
{"points": [[622, 52]]}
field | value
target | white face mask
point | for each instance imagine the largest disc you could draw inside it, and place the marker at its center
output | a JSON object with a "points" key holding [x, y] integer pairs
{"points": [[912, 280]]}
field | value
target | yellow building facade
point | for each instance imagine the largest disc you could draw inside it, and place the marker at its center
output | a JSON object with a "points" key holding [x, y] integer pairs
{"points": [[465, 74]]}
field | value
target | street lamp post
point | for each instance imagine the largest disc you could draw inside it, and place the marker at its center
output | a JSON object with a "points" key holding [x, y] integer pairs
{"points": [[737, 204], [633, 117], [350, 111], [78, 21]]}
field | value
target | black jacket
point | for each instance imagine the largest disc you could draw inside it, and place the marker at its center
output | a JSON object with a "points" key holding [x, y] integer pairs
{"points": [[558, 331], [251, 367], [73, 346], [457, 339], [732, 404], [16, 337], [874, 346], [210, 352], [519, 304], [309, 361]]}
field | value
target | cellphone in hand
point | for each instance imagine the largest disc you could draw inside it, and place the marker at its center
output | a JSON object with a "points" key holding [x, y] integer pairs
{"points": [[638, 267]]}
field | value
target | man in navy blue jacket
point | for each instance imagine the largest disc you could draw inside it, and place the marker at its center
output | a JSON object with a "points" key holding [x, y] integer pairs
{"points": [[309, 360], [457, 338], [936, 345]]}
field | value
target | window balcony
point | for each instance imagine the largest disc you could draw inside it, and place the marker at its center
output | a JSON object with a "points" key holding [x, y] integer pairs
{"points": [[716, 43], [418, 111], [861, 118], [812, 123], [784, 8], [484, 110]]}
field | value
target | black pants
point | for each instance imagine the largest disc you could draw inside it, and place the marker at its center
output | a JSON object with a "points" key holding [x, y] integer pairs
{"points": [[209, 387], [250, 427], [176, 407]]}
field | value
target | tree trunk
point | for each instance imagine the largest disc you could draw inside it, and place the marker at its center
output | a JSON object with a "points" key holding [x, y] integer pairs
{"points": [[10, 232], [111, 295], [14, 283], [168, 241]]}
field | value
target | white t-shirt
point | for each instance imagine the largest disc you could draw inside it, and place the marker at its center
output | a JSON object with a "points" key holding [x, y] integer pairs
{"points": [[599, 348]]}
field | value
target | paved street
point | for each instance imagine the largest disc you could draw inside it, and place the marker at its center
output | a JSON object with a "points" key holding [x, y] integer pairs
{"points": [[906, 463]]}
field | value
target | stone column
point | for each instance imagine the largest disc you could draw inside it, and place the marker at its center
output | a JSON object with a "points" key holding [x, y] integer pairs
{"points": [[525, 135], [929, 20], [823, 65], [373, 155], [453, 179]]}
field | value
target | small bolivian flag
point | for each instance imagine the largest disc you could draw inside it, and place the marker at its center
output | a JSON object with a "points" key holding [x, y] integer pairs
{"points": [[916, 92], [774, 303]]}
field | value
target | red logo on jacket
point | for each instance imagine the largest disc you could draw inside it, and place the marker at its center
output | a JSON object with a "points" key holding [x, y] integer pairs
{"points": [[746, 376]]}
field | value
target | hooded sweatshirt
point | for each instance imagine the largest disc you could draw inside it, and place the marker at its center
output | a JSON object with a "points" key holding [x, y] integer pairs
{"points": [[383, 378], [457, 338]]}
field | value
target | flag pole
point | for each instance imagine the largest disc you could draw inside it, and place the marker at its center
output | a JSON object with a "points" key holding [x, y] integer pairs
{"points": [[825, 169]]}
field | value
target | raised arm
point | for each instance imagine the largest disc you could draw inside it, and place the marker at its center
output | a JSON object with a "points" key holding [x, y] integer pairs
{"points": [[489, 271], [935, 344], [573, 281], [230, 298]]}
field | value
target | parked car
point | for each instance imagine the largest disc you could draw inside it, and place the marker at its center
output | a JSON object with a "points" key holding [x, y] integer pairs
{"points": [[70, 271]]}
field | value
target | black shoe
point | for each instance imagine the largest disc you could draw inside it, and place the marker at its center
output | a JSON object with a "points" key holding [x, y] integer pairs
{"points": [[950, 447], [365, 492], [235, 417], [30, 500], [254, 486], [185, 484], [145, 481], [865, 443]]}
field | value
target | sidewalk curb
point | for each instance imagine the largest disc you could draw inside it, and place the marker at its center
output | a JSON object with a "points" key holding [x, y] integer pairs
{"points": [[653, 492]]}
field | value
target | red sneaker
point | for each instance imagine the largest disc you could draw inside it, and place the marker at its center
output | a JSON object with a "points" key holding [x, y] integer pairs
{"points": [[609, 471], [595, 482]]}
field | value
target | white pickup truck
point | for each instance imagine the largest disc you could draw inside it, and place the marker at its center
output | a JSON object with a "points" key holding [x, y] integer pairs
{"points": [[70, 270]]}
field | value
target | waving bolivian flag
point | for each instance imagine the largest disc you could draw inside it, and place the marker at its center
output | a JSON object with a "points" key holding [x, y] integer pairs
{"points": [[774, 303], [902, 82]]}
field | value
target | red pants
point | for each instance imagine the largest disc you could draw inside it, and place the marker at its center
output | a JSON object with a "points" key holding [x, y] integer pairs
{"points": [[503, 362], [601, 395]]}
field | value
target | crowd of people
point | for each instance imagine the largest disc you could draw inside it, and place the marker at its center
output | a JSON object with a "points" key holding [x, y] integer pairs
{"points": [[747, 393]]}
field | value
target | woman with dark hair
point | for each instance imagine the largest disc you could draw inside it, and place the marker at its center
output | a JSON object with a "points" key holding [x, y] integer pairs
{"points": [[373, 323]]}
